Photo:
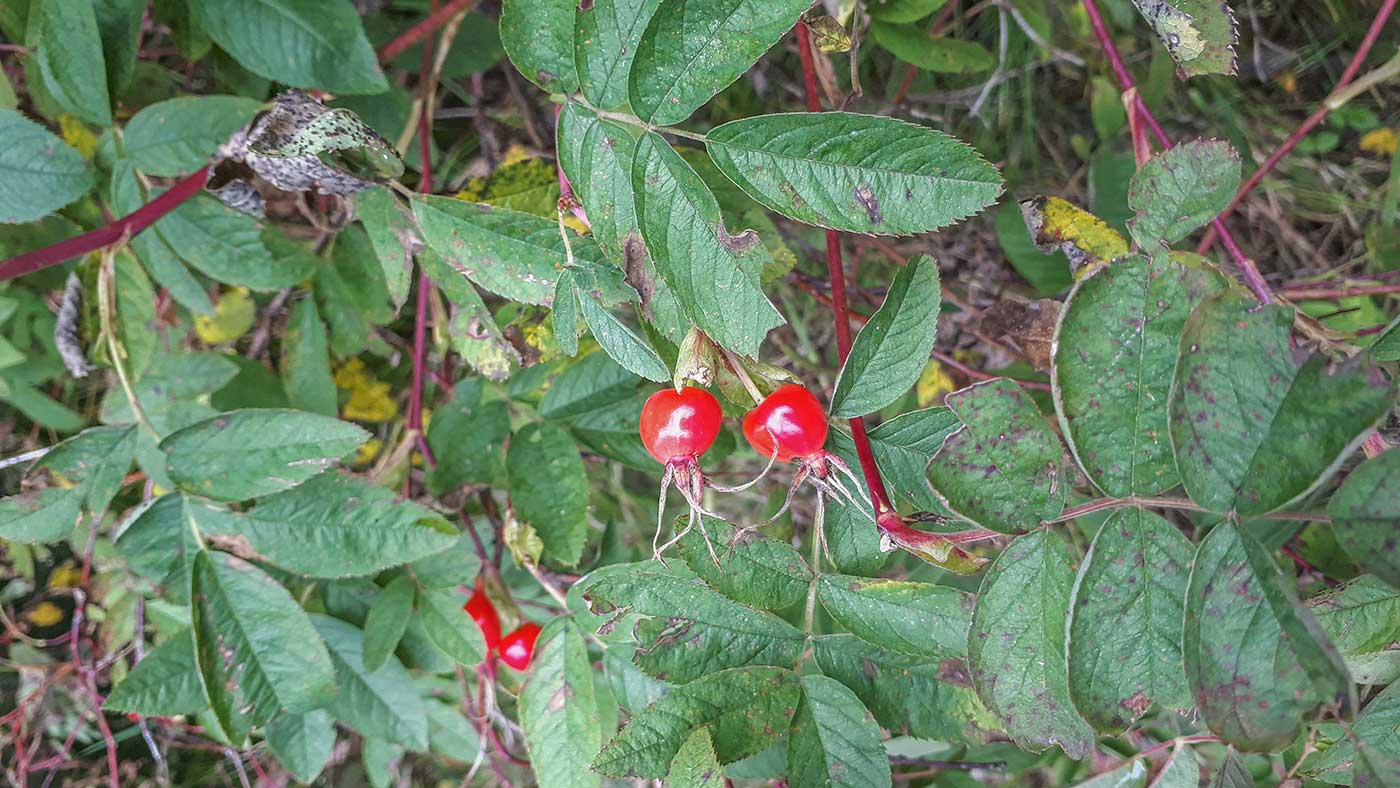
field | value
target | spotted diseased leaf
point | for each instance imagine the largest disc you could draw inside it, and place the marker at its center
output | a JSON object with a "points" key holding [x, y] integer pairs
{"points": [[1016, 646], [1115, 348], [857, 173], [1181, 189], [1257, 662], [1057, 225], [296, 129], [41, 173], [753, 569], [695, 764], [1366, 516], [1199, 34], [257, 652], [891, 350], [1371, 753], [714, 275], [921, 619], [1257, 423], [538, 36], [549, 490], [1002, 469], [1124, 650], [688, 630], [691, 51], [596, 155], [834, 741], [745, 709], [559, 710], [606, 34], [249, 453]]}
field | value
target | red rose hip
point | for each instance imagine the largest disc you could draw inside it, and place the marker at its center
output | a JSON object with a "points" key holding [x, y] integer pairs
{"points": [[679, 426], [481, 610], [790, 417], [518, 648]]}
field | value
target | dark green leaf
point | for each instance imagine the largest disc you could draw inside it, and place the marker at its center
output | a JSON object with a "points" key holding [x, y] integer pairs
{"points": [[745, 709], [70, 58], [596, 156], [605, 40], [1360, 617], [559, 710], [620, 342], [1257, 424], [1181, 189], [834, 741], [387, 619], [939, 54], [892, 349], [383, 704], [302, 742], [178, 135], [466, 436], [306, 363], [754, 570], [165, 683], [41, 173], [538, 36], [257, 653], [1017, 644], [95, 460], [920, 619], [226, 246], [150, 246], [900, 11], [1372, 751], [450, 627], [1256, 660], [549, 490], [1366, 516], [593, 382], [1182, 769], [1125, 634]]}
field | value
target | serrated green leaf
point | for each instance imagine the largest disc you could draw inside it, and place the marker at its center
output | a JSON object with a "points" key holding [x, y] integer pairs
{"points": [[606, 36], [745, 709], [1017, 644], [903, 447], [938, 54], [920, 619], [450, 627], [611, 431], [1114, 351], [754, 570], [387, 619], [1366, 516], [538, 36], [695, 764], [96, 460], [165, 683], [383, 704], [299, 43], [1372, 751], [592, 382], [691, 51], [70, 58], [302, 742], [1257, 662], [559, 710], [1182, 769], [890, 351], [1256, 423], [1181, 189], [914, 696], [257, 653], [563, 314], [466, 436], [248, 453], [549, 489], [119, 23], [306, 363], [834, 741], [1002, 469], [227, 246], [689, 630], [619, 341], [41, 172], [596, 155], [858, 173], [1124, 650], [853, 539], [178, 135], [1360, 617], [393, 235], [714, 275], [1199, 34]]}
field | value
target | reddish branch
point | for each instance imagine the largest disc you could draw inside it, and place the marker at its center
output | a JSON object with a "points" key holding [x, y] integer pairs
{"points": [[1312, 122], [420, 317], [422, 30], [1303, 292], [1248, 270]]}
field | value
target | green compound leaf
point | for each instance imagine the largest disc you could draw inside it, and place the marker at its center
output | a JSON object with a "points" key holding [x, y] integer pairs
{"points": [[606, 36], [858, 173], [914, 696], [393, 235], [549, 490], [70, 58], [178, 135], [165, 683], [1372, 751], [1257, 662], [249, 453], [1199, 34], [920, 619], [299, 43], [1114, 351], [302, 742], [713, 274], [257, 653], [41, 172], [1001, 470], [938, 54], [559, 710], [1124, 649], [1366, 516], [834, 741], [538, 36], [746, 709], [1017, 645], [754, 570], [688, 629], [383, 704], [618, 340], [1181, 189], [1255, 423], [450, 627], [387, 620], [693, 50], [892, 349], [695, 764], [306, 362]]}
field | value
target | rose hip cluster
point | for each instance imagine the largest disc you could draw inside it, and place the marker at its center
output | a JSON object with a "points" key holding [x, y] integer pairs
{"points": [[515, 649], [789, 425]]}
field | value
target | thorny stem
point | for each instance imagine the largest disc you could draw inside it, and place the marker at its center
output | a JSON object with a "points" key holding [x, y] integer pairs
{"points": [[1248, 270], [1313, 121], [839, 307]]}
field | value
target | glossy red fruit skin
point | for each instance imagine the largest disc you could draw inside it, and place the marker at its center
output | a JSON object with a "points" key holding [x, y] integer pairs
{"points": [[793, 417], [481, 610], [679, 425], [518, 648]]}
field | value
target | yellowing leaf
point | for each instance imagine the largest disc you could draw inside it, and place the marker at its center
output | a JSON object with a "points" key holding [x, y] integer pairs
{"points": [[77, 135], [934, 383], [1059, 225], [350, 374], [370, 401], [829, 35], [524, 543], [44, 614], [233, 316], [514, 154], [1381, 142], [367, 452], [65, 575]]}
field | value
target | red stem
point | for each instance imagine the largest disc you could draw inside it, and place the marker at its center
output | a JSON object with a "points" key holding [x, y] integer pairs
{"points": [[1333, 293], [911, 71], [106, 235], [1248, 270], [836, 271], [423, 29], [1312, 122], [420, 316]]}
